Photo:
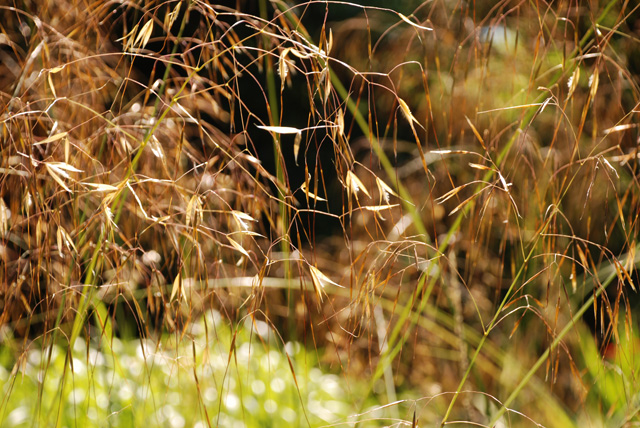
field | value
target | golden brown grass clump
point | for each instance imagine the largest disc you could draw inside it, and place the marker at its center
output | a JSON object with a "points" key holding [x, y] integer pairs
{"points": [[441, 198]]}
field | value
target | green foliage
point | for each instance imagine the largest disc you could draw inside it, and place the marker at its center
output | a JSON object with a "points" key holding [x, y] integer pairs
{"points": [[227, 377], [611, 384]]}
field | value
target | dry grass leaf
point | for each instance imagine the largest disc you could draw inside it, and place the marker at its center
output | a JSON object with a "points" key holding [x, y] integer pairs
{"points": [[280, 129], [108, 215], [594, 81], [59, 242], [177, 286], [407, 112], [287, 130], [572, 83], [144, 35], [327, 87], [283, 67], [99, 187], [246, 233], [194, 208], [58, 180], [623, 275], [545, 104], [451, 193], [238, 247], [41, 228], [583, 258], [621, 214], [354, 185], [322, 277], [505, 185], [156, 147], [53, 89], [325, 82], [620, 128], [413, 24], [67, 149], [241, 219], [377, 208], [135, 195], [128, 39], [310, 194], [463, 203], [62, 167], [296, 146], [57, 169], [411, 119], [317, 287], [340, 122], [476, 133], [385, 190], [108, 199], [608, 164], [456, 152], [5, 215], [63, 237], [171, 17], [316, 50], [319, 281], [252, 159], [630, 262], [480, 167]]}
